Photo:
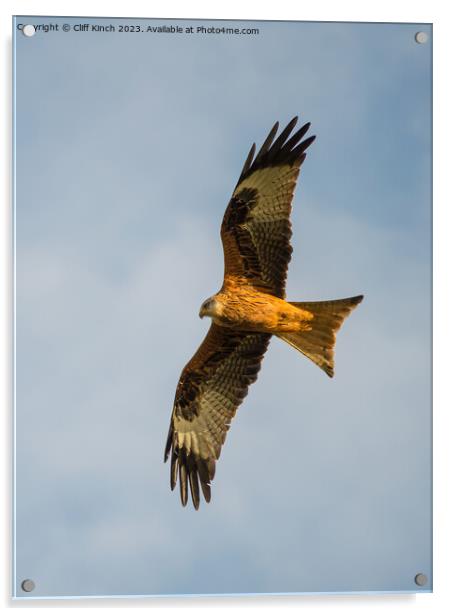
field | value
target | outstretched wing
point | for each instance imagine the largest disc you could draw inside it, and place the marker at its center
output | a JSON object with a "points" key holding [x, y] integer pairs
{"points": [[256, 228], [211, 387]]}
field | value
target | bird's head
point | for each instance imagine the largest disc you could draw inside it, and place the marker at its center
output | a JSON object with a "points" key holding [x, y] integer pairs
{"points": [[210, 308]]}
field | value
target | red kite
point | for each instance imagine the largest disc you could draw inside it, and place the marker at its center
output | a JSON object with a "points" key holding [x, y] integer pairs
{"points": [[247, 311]]}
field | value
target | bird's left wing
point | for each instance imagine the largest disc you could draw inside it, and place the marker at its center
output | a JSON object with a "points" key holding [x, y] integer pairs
{"points": [[211, 387]]}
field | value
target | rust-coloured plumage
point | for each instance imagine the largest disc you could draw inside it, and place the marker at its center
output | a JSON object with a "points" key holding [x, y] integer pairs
{"points": [[248, 309]]}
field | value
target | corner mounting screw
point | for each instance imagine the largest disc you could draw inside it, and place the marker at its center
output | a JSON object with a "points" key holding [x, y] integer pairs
{"points": [[28, 585], [421, 37], [420, 579]]}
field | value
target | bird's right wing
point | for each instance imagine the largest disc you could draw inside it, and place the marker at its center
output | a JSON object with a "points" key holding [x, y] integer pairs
{"points": [[211, 387], [256, 228]]}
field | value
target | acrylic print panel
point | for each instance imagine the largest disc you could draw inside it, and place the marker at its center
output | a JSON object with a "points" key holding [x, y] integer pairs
{"points": [[130, 137]]}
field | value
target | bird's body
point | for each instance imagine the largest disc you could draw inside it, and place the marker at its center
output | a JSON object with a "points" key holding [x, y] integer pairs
{"points": [[249, 308], [239, 306]]}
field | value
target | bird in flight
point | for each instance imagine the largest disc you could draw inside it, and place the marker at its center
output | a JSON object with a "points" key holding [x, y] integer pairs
{"points": [[249, 308]]}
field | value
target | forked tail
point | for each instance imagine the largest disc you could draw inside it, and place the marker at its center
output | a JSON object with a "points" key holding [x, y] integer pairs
{"points": [[318, 343]]}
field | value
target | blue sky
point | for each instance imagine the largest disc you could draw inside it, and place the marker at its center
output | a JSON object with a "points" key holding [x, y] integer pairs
{"points": [[128, 147]]}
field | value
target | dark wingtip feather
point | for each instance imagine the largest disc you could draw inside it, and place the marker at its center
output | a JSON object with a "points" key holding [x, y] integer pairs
{"points": [[205, 478], [284, 150], [305, 144], [267, 143], [211, 466], [194, 485], [309, 141], [183, 481], [248, 161], [174, 469], [299, 150], [278, 143], [296, 137], [206, 491], [168, 443]]}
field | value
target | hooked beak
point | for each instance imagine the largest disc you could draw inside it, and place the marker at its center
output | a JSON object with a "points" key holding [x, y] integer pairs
{"points": [[206, 309]]}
